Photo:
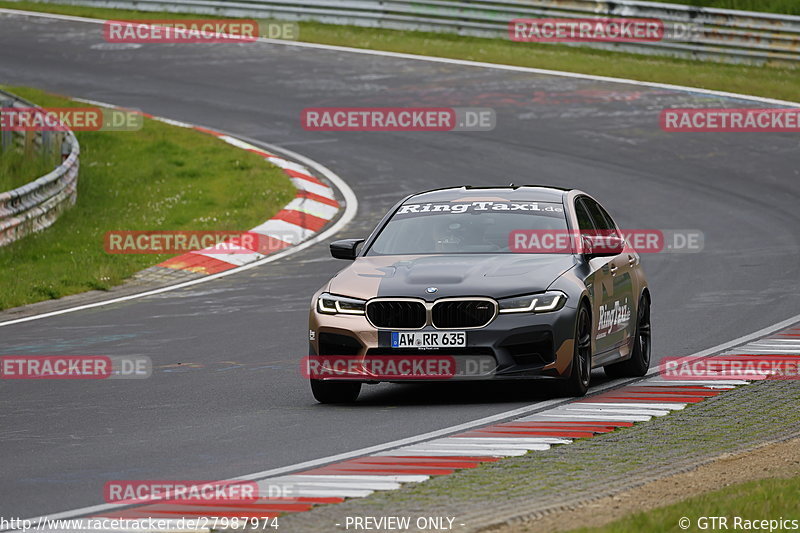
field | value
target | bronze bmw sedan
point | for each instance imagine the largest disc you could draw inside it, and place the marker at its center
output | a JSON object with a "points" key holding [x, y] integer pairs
{"points": [[518, 282]]}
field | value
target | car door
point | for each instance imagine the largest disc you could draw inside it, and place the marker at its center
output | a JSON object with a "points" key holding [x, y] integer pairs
{"points": [[615, 323], [598, 279]]}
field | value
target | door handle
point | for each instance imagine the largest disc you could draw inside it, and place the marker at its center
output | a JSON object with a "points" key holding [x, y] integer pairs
{"points": [[613, 270], [631, 261]]}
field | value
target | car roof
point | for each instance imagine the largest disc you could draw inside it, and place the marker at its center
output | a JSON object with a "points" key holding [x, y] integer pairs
{"points": [[520, 193]]}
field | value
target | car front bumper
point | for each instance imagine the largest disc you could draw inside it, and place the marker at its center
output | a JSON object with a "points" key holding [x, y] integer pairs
{"points": [[519, 345]]}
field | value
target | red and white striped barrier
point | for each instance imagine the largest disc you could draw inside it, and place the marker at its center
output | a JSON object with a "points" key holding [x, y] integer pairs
{"points": [[312, 208]]}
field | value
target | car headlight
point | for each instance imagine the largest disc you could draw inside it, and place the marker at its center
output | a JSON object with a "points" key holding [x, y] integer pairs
{"points": [[543, 302], [332, 304]]}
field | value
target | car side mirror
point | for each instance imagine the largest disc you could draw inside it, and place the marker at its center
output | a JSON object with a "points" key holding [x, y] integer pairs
{"points": [[602, 245], [345, 249]]}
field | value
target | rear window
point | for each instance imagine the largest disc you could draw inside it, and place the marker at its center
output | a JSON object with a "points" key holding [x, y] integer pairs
{"points": [[464, 227]]}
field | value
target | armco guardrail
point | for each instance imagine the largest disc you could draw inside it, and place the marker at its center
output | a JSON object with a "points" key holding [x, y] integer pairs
{"points": [[38, 204], [696, 33]]}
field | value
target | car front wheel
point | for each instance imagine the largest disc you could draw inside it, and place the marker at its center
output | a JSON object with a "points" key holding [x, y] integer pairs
{"points": [[581, 373]]}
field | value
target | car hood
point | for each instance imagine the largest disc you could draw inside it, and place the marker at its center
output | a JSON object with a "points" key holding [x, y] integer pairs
{"points": [[496, 276]]}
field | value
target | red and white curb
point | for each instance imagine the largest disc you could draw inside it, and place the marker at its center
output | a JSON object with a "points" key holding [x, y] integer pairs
{"points": [[582, 418], [312, 208]]}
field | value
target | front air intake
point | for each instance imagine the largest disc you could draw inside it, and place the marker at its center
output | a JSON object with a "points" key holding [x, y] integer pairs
{"points": [[399, 314], [454, 314]]}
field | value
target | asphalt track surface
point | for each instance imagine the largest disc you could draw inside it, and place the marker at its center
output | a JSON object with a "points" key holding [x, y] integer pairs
{"points": [[227, 398]]}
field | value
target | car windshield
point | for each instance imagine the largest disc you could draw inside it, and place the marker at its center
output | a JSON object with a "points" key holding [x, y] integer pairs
{"points": [[464, 227]]}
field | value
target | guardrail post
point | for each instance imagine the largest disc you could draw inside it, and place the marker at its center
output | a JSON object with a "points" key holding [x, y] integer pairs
{"points": [[59, 139], [29, 142], [6, 135], [66, 148], [47, 145]]}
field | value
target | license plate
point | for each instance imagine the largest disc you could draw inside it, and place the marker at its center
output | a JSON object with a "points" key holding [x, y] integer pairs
{"points": [[429, 339]]}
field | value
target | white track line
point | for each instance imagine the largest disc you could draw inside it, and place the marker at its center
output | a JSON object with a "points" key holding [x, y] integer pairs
{"points": [[399, 478], [524, 440], [596, 417], [659, 381], [760, 352], [659, 406], [424, 450], [347, 484], [334, 492], [447, 444], [610, 411]]}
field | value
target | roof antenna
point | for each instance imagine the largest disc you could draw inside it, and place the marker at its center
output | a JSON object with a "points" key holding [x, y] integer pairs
{"points": [[512, 185]]}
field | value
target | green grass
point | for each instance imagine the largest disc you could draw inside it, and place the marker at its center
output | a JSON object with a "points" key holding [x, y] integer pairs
{"points": [[756, 500], [774, 81], [18, 167], [161, 177], [790, 7]]}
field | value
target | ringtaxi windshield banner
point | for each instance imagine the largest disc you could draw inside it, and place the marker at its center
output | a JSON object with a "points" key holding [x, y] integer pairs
{"points": [[481, 206]]}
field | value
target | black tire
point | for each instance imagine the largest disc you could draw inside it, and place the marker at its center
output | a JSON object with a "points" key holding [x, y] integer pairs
{"points": [[581, 371], [335, 391], [639, 363]]}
